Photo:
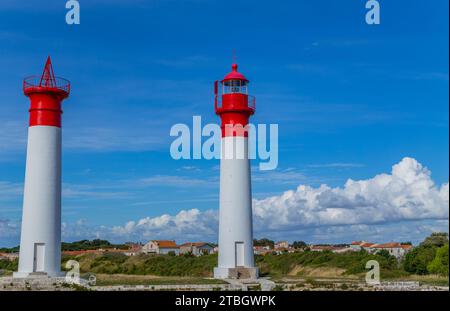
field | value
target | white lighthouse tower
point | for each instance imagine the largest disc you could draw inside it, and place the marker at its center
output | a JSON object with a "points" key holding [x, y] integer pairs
{"points": [[40, 242], [235, 216]]}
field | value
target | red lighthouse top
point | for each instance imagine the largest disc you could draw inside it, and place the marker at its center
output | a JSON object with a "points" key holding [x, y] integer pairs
{"points": [[46, 92], [234, 74], [47, 82], [232, 102]]}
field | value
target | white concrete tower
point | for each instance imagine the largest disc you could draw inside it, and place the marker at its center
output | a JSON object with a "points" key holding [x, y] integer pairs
{"points": [[235, 216], [40, 241]]}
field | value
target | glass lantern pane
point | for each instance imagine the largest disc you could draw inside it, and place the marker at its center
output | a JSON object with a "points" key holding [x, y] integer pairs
{"points": [[235, 86]]}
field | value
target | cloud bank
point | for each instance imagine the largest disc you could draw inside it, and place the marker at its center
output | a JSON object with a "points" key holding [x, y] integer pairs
{"points": [[403, 204], [406, 194]]}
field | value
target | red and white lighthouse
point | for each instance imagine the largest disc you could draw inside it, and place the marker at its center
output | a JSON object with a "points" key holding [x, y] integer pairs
{"points": [[40, 241], [235, 213]]}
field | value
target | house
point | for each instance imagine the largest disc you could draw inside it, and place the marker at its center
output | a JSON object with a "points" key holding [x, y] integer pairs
{"points": [[356, 245], [9, 256], [393, 248], [281, 245], [261, 250], [161, 247], [134, 249], [196, 248], [360, 245], [366, 246]]}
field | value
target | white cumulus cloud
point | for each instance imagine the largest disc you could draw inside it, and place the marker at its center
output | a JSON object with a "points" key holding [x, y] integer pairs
{"points": [[408, 193], [406, 203], [187, 224]]}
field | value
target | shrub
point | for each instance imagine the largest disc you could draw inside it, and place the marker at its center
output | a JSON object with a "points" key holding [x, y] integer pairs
{"points": [[437, 239], [439, 265], [10, 265], [418, 259]]}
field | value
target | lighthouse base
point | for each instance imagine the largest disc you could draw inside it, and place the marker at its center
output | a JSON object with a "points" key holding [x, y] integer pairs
{"points": [[36, 275], [236, 273]]}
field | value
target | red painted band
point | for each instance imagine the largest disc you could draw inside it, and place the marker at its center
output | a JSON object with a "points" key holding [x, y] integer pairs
{"points": [[45, 109], [235, 114], [45, 117], [238, 131], [234, 124]]}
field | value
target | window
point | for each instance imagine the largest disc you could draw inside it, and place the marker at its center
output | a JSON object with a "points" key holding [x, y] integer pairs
{"points": [[235, 86]]}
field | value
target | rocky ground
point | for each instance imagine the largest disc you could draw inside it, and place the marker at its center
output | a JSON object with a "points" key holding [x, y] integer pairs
{"points": [[286, 284]]}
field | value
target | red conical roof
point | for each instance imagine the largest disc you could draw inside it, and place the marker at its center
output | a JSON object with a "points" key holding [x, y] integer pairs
{"points": [[234, 74], [47, 82], [48, 76]]}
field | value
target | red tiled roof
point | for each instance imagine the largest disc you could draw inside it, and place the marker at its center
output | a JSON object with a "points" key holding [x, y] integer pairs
{"points": [[388, 245], [166, 244], [9, 255], [262, 249], [135, 247], [356, 243], [367, 244], [198, 244]]}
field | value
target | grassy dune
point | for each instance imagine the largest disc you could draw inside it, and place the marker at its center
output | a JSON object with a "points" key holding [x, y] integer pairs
{"points": [[159, 265], [313, 264], [326, 264]]}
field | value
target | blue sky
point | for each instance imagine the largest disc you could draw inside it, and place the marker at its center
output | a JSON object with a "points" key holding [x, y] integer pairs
{"points": [[351, 101]]}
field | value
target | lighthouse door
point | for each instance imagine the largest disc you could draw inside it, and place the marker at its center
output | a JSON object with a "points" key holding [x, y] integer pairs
{"points": [[39, 251], [239, 254]]}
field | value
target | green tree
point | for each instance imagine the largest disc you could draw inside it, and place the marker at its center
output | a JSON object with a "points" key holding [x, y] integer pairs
{"points": [[299, 244], [384, 253], [437, 239], [9, 250], [439, 265], [94, 244], [10, 265], [418, 259]]}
